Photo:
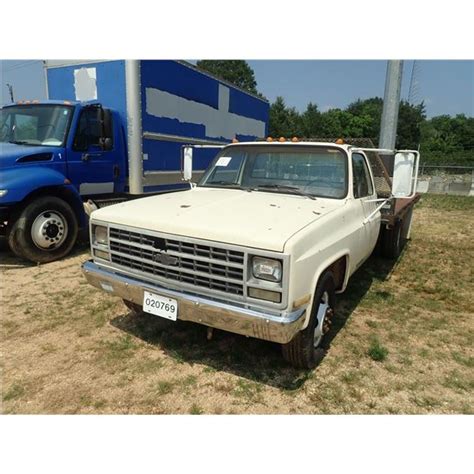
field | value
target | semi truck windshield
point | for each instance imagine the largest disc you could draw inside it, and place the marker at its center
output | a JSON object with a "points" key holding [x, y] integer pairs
{"points": [[35, 124]]}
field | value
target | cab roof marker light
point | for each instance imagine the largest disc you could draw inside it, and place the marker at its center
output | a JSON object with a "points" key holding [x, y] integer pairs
{"points": [[282, 139]]}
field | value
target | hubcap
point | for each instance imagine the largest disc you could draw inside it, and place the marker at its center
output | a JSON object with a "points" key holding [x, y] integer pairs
{"points": [[324, 317], [49, 230]]}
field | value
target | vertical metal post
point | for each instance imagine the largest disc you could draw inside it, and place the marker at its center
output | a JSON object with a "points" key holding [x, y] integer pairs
{"points": [[391, 104], [134, 126], [10, 90]]}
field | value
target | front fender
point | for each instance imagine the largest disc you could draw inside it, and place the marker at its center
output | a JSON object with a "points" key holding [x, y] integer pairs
{"points": [[32, 181], [21, 182]]}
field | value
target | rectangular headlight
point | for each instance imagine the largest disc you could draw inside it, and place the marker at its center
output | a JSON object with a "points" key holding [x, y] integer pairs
{"points": [[100, 235], [266, 269]]}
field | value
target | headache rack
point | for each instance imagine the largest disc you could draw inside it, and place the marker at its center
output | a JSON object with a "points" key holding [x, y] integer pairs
{"points": [[392, 208]]}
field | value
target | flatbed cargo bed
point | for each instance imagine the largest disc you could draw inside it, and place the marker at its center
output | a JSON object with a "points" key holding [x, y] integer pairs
{"points": [[397, 209]]}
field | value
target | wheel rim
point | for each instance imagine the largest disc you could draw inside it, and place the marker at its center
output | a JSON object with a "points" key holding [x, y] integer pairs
{"points": [[49, 230], [324, 316]]}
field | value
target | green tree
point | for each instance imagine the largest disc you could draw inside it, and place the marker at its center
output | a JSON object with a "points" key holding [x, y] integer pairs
{"points": [[284, 121], [410, 118], [237, 72], [311, 122], [448, 140], [372, 109]]}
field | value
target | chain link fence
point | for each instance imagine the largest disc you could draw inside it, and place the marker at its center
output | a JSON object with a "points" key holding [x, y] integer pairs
{"points": [[446, 179]]}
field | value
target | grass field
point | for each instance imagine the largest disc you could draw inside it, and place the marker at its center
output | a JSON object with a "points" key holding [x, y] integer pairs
{"points": [[402, 341]]}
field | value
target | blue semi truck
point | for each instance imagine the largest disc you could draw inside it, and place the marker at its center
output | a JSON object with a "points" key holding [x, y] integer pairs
{"points": [[109, 131]]}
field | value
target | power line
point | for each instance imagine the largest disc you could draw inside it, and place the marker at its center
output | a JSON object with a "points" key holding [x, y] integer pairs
{"points": [[21, 65], [414, 90], [10, 90]]}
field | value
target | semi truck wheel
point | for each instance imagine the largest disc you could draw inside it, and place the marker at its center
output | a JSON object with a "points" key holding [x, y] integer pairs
{"points": [[392, 243], [306, 350], [13, 243], [45, 230]]}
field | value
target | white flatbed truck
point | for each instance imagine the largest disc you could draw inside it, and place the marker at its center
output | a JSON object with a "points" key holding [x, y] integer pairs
{"points": [[261, 245]]}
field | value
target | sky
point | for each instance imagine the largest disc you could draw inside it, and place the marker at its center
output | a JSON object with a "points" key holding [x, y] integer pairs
{"points": [[446, 87]]}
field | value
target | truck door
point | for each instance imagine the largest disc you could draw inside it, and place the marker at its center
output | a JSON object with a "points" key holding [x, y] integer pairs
{"points": [[94, 159], [364, 193]]}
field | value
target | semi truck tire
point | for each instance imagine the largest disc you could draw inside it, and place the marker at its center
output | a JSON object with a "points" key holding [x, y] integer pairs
{"points": [[13, 244], [306, 350], [45, 230], [392, 243]]}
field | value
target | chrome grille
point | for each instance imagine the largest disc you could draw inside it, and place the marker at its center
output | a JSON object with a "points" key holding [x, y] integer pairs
{"points": [[200, 265]]}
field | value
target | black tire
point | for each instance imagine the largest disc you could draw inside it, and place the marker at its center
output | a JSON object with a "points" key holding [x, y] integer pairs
{"points": [[392, 243], [20, 237], [137, 311], [134, 308], [13, 244], [301, 351]]}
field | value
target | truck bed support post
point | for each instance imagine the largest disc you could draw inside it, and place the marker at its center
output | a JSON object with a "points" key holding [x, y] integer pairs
{"points": [[134, 126], [391, 104]]}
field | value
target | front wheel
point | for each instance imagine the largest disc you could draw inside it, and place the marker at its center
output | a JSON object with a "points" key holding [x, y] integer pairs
{"points": [[306, 350], [45, 231]]}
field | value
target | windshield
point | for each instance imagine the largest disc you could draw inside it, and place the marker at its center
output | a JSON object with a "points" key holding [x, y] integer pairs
{"points": [[307, 170], [35, 124]]}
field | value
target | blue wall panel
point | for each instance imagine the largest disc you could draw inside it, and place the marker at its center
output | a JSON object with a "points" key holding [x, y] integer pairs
{"points": [[110, 77], [184, 81], [166, 156], [248, 106]]}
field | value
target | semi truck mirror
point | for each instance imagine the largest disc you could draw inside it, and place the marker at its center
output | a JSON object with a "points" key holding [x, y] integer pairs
{"points": [[404, 175], [106, 143], [187, 163]]}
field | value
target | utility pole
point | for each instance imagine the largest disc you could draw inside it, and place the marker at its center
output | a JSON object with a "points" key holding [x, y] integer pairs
{"points": [[10, 89], [391, 104]]}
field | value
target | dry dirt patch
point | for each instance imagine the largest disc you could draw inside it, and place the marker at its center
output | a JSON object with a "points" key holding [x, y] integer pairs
{"points": [[402, 341]]}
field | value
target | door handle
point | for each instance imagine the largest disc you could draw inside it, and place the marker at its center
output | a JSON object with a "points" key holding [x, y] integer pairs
{"points": [[88, 156]]}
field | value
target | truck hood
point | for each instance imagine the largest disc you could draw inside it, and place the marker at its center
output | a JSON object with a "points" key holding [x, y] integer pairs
{"points": [[254, 219], [10, 153]]}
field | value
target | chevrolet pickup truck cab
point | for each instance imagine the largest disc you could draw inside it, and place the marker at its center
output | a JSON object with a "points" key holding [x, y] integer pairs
{"points": [[259, 247]]}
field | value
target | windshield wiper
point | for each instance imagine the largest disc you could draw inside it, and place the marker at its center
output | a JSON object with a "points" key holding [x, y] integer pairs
{"points": [[291, 189], [224, 183], [20, 142]]}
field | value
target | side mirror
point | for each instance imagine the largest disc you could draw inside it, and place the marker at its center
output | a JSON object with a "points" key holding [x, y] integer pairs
{"points": [[106, 143], [405, 171], [187, 163]]}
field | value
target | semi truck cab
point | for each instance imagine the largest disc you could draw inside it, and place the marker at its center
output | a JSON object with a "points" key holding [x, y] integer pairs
{"points": [[60, 152]]}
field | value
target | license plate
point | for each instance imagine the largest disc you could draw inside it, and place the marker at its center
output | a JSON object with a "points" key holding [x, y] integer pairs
{"points": [[160, 306]]}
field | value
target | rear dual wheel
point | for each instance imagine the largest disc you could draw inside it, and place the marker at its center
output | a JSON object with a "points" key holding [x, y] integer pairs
{"points": [[392, 241]]}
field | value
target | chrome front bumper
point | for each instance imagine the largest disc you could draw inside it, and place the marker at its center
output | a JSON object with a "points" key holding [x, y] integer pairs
{"points": [[276, 326]]}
